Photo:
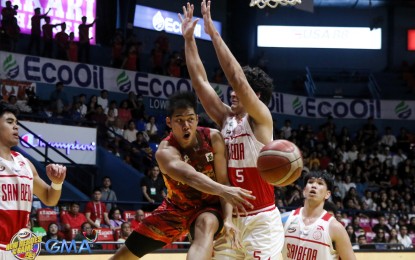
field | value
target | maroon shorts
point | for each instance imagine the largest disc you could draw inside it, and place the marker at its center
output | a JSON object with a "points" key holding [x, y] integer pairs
{"points": [[168, 223]]}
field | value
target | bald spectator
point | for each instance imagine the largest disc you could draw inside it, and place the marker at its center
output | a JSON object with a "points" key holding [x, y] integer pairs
{"points": [[139, 216]]}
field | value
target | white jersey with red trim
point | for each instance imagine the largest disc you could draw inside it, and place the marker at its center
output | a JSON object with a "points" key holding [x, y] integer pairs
{"points": [[16, 188], [312, 242], [243, 150]]}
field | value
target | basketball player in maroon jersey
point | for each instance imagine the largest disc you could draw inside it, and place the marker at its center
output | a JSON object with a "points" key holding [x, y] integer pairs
{"points": [[311, 232], [193, 162], [19, 180], [246, 127]]}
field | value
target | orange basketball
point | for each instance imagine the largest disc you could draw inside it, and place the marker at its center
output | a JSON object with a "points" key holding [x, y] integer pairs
{"points": [[280, 163]]}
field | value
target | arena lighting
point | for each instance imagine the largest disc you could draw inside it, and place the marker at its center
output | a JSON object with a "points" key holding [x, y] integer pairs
{"points": [[411, 40], [319, 37], [68, 11]]}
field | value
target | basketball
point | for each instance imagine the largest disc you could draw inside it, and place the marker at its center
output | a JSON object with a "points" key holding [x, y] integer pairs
{"points": [[280, 163]]}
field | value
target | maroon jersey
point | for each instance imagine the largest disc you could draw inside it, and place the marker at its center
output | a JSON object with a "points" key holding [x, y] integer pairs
{"points": [[181, 195]]}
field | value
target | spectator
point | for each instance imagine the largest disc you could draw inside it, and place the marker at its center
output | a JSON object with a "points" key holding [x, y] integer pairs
{"points": [[34, 41], [157, 57], [73, 219], [286, 129], [130, 60], [153, 189], [115, 218], [411, 226], [7, 13], [52, 233], [59, 100], [84, 44], [141, 153], [83, 109], [107, 195], [403, 237], [124, 232], [380, 236], [103, 100], [47, 29], [152, 130], [388, 138], [130, 134], [62, 41], [124, 113], [95, 211], [72, 52], [393, 238], [139, 216], [86, 232], [351, 232], [381, 225], [117, 49], [92, 105]]}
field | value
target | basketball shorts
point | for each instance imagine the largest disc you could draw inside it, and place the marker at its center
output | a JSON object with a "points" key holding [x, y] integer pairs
{"points": [[167, 223], [261, 236], [6, 255]]}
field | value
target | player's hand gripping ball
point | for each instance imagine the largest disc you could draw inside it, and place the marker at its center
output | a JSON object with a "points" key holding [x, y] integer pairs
{"points": [[280, 163]]}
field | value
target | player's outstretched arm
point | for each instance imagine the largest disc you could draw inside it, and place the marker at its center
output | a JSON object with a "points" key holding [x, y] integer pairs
{"points": [[170, 163], [340, 238], [206, 94], [256, 109], [49, 195]]}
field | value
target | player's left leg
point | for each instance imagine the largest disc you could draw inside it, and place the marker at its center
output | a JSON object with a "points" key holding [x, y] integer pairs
{"points": [[266, 237], [205, 227]]}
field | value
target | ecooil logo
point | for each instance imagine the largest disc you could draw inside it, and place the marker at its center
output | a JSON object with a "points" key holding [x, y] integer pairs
{"points": [[298, 106], [158, 21], [402, 110], [123, 82], [10, 67]]}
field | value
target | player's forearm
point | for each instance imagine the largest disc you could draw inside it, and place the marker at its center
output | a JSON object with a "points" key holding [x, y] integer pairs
{"points": [[228, 62], [52, 197], [194, 64], [204, 184]]}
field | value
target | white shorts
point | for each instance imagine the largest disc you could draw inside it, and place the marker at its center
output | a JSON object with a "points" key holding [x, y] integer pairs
{"points": [[261, 236], [7, 255]]}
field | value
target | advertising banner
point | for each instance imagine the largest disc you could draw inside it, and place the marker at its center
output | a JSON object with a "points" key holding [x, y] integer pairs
{"points": [[155, 89], [76, 143]]}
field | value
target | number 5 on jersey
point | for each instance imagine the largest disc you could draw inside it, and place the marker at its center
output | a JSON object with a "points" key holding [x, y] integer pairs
{"points": [[239, 175]]}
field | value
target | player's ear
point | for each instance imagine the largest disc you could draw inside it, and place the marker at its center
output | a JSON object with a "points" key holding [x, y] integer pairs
{"points": [[328, 195], [168, 122]]}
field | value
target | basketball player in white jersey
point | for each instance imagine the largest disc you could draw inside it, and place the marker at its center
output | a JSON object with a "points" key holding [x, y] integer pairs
{"points": [[19, 180], [311, 232], [246, 127]]}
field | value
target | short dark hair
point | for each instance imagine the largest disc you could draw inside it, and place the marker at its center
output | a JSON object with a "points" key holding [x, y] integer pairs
{"points": [[260, 82], [327, 177], [85, 223], [181, 100], [6, 107], [59, 83], [74, 203]]}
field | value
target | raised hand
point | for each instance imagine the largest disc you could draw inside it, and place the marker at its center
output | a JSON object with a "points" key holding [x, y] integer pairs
{"points": [[207, 19], [238, 198], [56, 173], [188, 24]]}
